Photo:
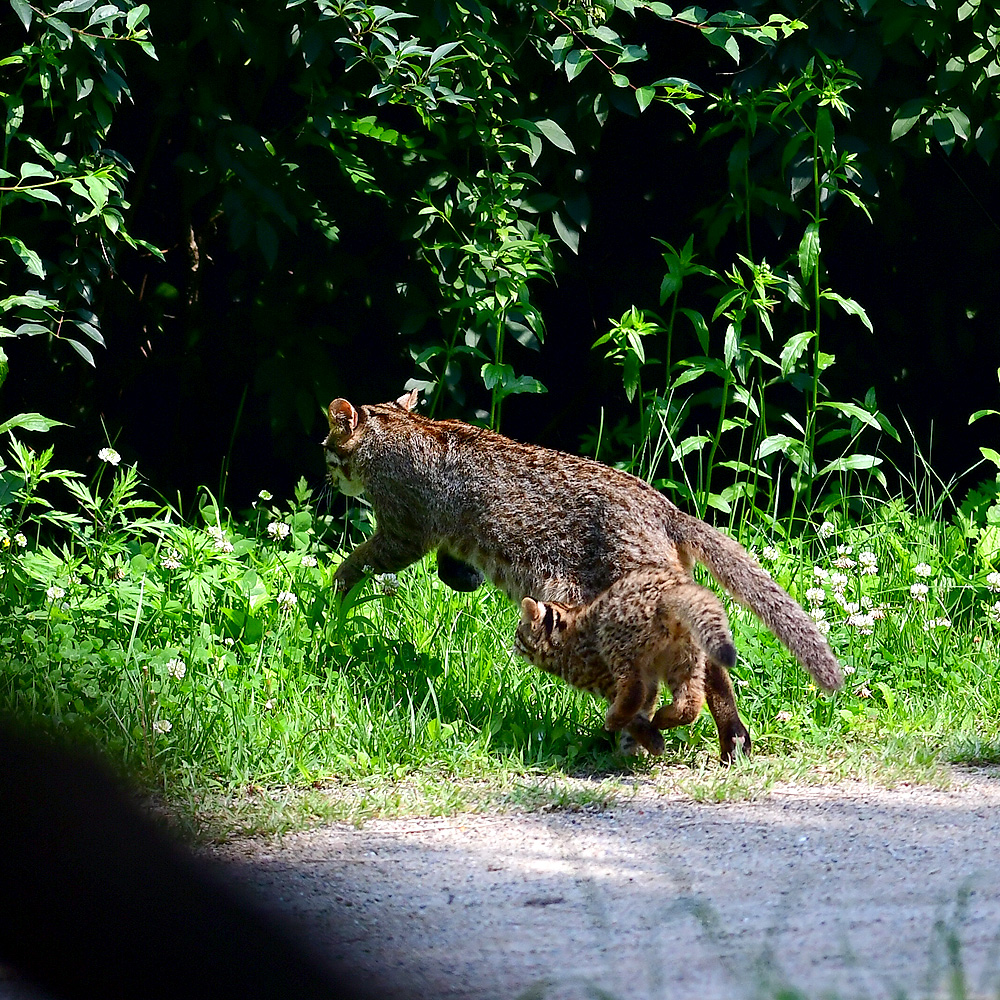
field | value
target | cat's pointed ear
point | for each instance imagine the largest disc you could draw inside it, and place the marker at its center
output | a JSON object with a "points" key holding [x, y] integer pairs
{"points": [[409, 399], [344, 419], [531, 610]]}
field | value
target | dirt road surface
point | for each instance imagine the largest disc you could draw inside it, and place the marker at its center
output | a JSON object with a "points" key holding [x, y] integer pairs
{"points": [[843, 890]]}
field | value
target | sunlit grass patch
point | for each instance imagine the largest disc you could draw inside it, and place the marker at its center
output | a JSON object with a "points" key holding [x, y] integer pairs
{"points": [[210, 654]]}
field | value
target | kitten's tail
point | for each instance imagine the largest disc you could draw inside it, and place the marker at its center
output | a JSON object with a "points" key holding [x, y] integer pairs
{"points": [[705, 617], [732, 566]]}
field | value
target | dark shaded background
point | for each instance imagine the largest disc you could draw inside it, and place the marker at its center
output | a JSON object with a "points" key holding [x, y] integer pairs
{"points": [[216, 359]]}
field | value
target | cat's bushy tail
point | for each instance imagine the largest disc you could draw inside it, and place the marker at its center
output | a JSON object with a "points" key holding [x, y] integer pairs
{"points": [[733, 567]]}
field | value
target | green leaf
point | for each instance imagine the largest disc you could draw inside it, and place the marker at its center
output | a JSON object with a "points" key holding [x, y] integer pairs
{"points": [[793, 350], [809, 251], [777, 442], [23, 11], [848, 463], [987, 139], [700, 326], [555, 134], [31, 259], [135, 15], [39, 194], [983, 413], [30, 422], [494, 374], [84, 352], [34, 170], [730, 345], [644, 97], [441, 51], [849, 306], [576, 62], [944, 131], [825, 132], [74, 6], [906, 117], [989, 453], [853, 410], [566, 232]]}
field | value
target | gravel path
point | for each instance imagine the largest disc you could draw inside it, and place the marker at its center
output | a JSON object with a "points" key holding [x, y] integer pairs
{"points": [[832, 890]]}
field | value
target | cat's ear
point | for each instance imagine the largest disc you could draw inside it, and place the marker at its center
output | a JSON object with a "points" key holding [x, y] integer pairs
{"points": [[344, 419], [409, 399], [531, 610]]}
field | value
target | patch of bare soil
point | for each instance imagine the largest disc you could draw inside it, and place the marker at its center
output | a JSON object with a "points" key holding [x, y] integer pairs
{"points": [[845, 889]]}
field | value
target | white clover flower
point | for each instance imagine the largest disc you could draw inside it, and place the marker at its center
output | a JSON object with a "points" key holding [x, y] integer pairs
{"points": [[815, 595], [278, 529], [823, 627], [993, 581], [219, 537], [163, 725], [838, 581], [869, 563], [817, 614], [172, 560], [388, 583], [269, 704], [820, 573], [994, 610], [20, 541], [919, 592], [851, 607], [771, 553], [863, 623], [845, 550], [863, 692], [109, 455], [287, 599], [783, 717], [309, 562], [878, 613], [826, 529], [922, 569], [175, 668], [848, 669], [844, 562], [933, 623], [264, 495], [55, 593]]}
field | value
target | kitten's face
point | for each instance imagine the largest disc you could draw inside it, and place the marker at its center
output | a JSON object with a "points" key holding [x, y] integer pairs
{"points": [[542, 629]]}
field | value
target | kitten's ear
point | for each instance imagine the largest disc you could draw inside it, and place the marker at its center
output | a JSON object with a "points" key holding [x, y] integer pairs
{"points": [[531, 610], [344, 419], [408, 400]]}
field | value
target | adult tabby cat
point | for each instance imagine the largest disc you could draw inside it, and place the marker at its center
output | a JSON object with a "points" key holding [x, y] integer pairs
{"points": [[540, 523], [650, 627]]}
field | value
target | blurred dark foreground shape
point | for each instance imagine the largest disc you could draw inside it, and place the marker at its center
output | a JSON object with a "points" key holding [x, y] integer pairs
{"points": [[97, 901]]}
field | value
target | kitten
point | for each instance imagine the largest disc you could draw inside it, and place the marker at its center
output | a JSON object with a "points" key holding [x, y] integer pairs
{"points": [[651, 626], [543, 523]]}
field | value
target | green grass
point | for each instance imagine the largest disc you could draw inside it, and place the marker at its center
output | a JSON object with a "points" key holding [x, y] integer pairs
{"points": [[211, 658]]}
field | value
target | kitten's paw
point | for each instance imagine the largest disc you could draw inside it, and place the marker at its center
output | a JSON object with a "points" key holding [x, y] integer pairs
{"points": [[628, 745]]}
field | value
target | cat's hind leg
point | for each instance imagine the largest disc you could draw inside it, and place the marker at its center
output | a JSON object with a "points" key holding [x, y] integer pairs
{"points": [[734, 737]]}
